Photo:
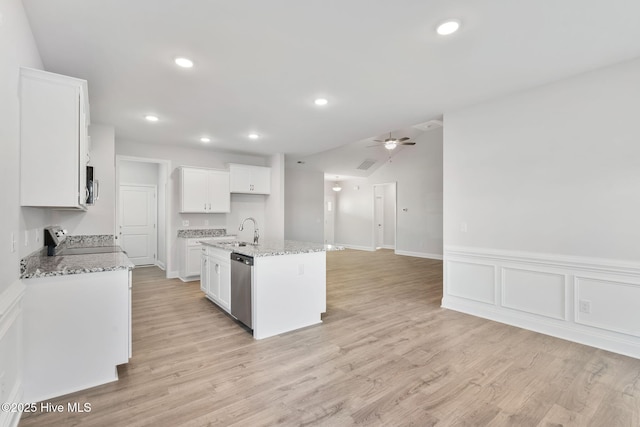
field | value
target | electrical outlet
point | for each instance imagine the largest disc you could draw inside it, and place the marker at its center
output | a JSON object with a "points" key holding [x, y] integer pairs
{"points": [[38, 234], [185, 223], [585, 306], [13, 242], [206, 222]]}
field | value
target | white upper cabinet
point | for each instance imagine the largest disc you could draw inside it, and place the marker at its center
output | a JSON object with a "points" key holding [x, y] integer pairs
{"points": [[250, 179], [204, 190], [54, 121]]}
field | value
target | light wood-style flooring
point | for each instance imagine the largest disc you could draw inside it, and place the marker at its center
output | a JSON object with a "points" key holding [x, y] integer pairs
{"points": [[386, 355]]}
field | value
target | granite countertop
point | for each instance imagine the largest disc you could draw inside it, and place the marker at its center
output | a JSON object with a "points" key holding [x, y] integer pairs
{"points": [[39, 264], [202, 232], [272, 248]]}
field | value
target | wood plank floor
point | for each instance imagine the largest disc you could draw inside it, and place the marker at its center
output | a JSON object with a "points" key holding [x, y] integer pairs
{"points": [[386, 354]]}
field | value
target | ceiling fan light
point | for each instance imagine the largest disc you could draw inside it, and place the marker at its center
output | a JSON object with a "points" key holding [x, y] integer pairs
{"points": [[448, 27], [336, 187], [390, 145]]}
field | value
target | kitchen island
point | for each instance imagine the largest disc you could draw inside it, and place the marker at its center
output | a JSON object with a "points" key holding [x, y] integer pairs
{"points": [[288, 282], [77, 319]]}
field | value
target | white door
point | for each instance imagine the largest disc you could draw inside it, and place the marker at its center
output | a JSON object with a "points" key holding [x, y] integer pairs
{"points": [[379, 221], [329, 219], [138, 223]]}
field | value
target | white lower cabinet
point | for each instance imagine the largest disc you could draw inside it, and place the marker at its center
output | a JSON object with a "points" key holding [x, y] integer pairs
{"points": [[215, 276], [190, 249], [76, 330]]}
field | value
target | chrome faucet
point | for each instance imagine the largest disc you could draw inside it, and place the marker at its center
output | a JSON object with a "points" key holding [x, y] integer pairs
{"points": [[256, 236]]}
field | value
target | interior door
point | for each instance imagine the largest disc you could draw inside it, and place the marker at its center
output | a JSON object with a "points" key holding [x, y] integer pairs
{"points": [[137, 218], [379, 221]]}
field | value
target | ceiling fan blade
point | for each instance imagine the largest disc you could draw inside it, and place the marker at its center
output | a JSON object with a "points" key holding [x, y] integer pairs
{"points": [[406, 138], [377, 140], [374, 145], [406, 143]]}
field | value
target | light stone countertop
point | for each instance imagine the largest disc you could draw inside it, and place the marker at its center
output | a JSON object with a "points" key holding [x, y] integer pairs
{"points": [[39, 264], [272, 248]]}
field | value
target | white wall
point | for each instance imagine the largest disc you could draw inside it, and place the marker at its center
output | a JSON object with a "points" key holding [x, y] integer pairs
{"points": [[417, 170], [547, 184], [275, 203], [99, 218], [304, 207], [17, 48], [139, 173], [242, 205], [354, 214]]}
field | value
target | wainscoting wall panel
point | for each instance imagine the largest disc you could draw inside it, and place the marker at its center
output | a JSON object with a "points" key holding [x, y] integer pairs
{"points": [[586, 300], [613, 306], [535, 292], [11, 351], [474, 281]]}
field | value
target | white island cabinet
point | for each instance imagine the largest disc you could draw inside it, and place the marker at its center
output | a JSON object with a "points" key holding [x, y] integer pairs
{"points": [[288, 284], [288, 292], [54, 120], [215, 276]]}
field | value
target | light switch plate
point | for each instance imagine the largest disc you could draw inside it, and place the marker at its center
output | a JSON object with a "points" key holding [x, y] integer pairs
{"points": [[185, 223]]}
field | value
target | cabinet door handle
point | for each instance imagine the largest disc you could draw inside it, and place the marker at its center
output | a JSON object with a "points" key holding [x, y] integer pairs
{"points": [[217, 268], [209, 206], [205, 206]]}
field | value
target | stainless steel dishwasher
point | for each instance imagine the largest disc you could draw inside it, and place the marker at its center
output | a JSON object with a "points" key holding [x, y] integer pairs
{"points": [[241, 272]]}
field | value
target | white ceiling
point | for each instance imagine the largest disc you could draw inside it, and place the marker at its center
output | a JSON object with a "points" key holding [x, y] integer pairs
{"points": [[260, 64]]}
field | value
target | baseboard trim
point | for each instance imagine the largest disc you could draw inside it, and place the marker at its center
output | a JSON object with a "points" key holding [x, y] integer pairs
{"points": [[574, 333], [357, 247], [172, 274], [420, 254], [161, 265]]}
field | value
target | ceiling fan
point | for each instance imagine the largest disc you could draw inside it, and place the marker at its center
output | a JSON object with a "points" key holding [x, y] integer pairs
{"points": [[391, 143]]}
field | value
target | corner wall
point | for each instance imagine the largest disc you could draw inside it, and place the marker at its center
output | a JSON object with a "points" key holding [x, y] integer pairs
{"points": [[541, 192], [304, 207]]}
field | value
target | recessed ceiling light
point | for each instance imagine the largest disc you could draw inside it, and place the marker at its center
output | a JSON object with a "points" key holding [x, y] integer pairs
{"points": [[253, 136], [448, 27], [321, 101], [205, 139], [184, 62], [151, 118]]}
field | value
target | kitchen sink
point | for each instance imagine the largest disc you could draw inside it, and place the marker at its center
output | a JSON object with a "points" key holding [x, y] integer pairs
{"points": [[237, 244]]}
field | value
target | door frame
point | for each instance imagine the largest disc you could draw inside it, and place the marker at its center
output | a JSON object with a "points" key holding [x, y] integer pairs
{"points": [[164, 169], [155, 213], [330, 198], [394, 201]]}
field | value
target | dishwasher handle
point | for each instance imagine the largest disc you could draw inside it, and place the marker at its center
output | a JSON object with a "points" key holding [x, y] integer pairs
{"points": [[245, 259]]}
